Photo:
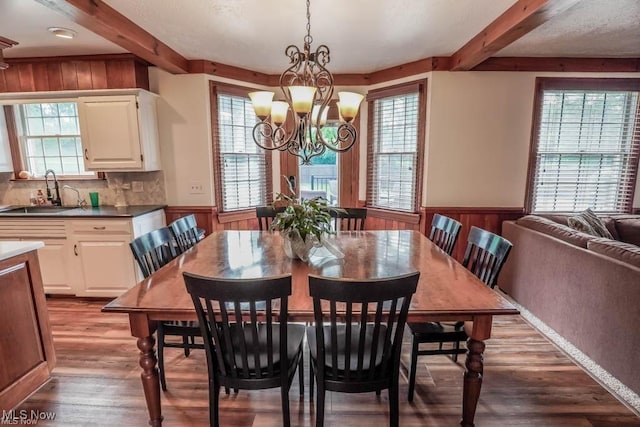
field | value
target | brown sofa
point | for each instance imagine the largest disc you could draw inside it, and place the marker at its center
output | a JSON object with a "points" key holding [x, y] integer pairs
{"points": [[586, 288]]}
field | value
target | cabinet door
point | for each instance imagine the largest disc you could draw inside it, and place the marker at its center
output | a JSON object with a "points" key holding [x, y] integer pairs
{"points": [[110, 132], [105, 266], [5, 152], [53, 266]]}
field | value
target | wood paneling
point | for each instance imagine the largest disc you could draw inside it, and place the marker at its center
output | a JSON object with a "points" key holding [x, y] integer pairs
{"points": [[521, 18], [528, 382], [100, 18], [489, 219], [74, 73], [206, 216], [435, 63]]}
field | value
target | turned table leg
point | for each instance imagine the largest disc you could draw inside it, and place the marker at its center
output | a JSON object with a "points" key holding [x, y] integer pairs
{"points": [[472, 381], [143, 328]]}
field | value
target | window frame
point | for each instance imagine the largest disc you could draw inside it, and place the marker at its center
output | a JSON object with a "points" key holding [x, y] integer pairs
{"points": [[16, 150], [577, 83], [419, 87], [215, 89]]}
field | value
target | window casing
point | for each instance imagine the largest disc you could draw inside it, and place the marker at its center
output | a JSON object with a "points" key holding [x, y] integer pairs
{"points": [[49, 137], [395, 148], [586, 145], [242, 169]]}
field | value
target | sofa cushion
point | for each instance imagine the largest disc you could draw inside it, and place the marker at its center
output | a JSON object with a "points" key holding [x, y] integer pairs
{"points": [[628, 228], [608, 222], [621, 251], [588, 222], [559, 231]]}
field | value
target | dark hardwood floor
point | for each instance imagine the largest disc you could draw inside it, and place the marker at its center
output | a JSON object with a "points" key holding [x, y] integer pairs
{"points": [[528, 382]]}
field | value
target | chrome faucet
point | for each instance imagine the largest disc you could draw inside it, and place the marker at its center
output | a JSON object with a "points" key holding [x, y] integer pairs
{"points": [[57, 201], [82, 203]]}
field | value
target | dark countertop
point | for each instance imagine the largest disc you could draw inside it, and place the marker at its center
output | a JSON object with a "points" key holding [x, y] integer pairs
{"points": [[73, 212]]}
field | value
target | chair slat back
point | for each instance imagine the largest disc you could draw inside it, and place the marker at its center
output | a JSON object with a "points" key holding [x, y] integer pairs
{"points": [[237, 320], [185, 232], [364, 324], [265, 215], [153, 250], [351, 220], [485, 255], [444, 232]]}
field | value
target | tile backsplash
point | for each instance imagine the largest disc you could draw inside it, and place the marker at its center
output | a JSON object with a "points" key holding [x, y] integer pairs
{"points": [[17, 192]]}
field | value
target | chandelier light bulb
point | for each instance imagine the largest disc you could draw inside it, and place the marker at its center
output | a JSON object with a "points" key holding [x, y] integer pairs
{"points": [[349, 105], [279, 111], [262, 101]]}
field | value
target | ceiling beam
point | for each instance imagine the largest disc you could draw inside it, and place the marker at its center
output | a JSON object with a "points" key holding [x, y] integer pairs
{"points": [[515, 22], [102, 19]]}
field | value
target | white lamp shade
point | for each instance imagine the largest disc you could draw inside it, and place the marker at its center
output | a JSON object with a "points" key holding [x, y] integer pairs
{"points": [[279, 112], [302, 98], [323, 117], [261, 103], [349, 104]]}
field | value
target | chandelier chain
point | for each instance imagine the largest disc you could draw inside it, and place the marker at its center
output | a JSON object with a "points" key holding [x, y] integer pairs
{"points": [[308, 39]]}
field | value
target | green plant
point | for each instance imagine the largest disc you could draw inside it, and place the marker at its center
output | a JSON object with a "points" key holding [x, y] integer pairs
{"points": [[304, 217]]}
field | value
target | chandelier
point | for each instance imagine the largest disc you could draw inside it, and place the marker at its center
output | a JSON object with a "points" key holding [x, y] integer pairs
{"points": [[308, 88]]}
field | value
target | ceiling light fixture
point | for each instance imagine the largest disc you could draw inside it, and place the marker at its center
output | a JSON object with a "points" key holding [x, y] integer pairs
{"points": [[5, 43], [63, 33], [307, 87]]}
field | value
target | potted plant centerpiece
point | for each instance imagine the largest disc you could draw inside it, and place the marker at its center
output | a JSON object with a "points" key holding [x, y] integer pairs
{"points": [[302, 224]]}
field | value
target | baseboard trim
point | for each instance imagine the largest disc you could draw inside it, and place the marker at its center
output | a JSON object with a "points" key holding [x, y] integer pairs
{"points": [[620, 391]]}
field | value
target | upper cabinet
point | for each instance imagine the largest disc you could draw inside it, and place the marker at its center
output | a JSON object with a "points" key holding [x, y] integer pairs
{"points": [[5, 152], [119, 132]]}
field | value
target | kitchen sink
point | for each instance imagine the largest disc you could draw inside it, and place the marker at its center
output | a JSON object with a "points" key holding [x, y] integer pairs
{"points": [[37, 210]]}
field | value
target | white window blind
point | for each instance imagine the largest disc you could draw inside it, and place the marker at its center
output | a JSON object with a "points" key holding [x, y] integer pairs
{"points": [[394, 156], [243, 167], [51, 138], [587, 151]]}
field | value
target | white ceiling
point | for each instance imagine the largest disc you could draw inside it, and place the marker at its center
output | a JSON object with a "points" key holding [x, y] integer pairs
{"points": [[363, 35]]}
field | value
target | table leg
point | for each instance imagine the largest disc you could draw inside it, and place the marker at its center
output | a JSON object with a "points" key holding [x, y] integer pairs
{"points": [[478, 331], [143, 328]]}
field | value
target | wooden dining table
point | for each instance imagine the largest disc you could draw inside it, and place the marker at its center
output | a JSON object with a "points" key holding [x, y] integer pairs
{"points": [[446, 290]]}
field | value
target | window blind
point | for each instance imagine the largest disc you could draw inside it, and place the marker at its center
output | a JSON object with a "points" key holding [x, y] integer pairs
{"points": [[243, 168], [393, 159], [588, 143]]}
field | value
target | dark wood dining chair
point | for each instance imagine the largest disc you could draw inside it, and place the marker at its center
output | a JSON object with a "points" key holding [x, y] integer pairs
{"points": [[185, 232], [485, 255], [355, 345], [350, 219], [265, 215], [444, 232], [245, 347], [152, 251]]}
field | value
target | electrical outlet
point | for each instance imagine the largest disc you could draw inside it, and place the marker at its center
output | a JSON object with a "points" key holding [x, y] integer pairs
{"points": [[137, 186], [125, 186], [196, 188]]}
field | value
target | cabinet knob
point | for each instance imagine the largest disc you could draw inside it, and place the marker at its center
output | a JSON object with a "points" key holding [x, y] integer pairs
{"points": [[86, 154], [100, 228], [75, 249]]}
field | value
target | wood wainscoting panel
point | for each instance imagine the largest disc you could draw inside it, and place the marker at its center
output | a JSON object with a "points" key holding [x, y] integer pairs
{"points": [[488, 218], [74, 73], [206, 216]]}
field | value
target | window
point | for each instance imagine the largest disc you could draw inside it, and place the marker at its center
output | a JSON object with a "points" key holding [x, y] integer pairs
{"points": [[585, 148], [396, 140], [242, 170], [50, 138], [320, 178]]}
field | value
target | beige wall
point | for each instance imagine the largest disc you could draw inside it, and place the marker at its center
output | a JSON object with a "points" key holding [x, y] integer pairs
{"points": [[479, 131], [477, 140]]}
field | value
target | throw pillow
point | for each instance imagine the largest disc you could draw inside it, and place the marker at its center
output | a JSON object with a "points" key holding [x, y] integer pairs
{"points": [[588, 222]]}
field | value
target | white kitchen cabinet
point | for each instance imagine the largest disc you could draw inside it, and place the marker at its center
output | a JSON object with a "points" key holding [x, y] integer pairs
{"points": [[6, 164], [53, 258], [102, 262], [119, 132]]}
